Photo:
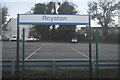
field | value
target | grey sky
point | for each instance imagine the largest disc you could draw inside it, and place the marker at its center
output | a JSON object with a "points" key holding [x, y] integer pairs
{"points": [[22, 6]]}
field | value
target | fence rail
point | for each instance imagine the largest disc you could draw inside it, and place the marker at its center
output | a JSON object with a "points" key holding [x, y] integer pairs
{"points": [[56, 64]]}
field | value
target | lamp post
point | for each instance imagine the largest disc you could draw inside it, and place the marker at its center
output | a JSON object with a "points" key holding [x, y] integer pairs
{"points": [[85, 37], [85, 34], [119, 18]]}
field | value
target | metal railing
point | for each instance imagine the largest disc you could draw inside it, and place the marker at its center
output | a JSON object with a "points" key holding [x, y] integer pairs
{"points": [[59, 64]]}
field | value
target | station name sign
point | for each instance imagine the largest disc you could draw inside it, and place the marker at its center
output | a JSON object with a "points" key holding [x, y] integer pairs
{"points": [[48, 19]]}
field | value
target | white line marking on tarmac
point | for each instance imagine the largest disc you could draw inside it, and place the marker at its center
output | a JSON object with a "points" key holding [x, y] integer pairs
{"points": [[55, 59], [78, 51], [34, 52]]}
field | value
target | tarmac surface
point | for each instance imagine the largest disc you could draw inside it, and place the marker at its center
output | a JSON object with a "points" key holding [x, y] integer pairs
{"points": [[54, 50]]}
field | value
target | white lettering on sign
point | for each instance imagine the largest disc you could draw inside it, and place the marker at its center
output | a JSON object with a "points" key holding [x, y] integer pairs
{"points": [[51, 19]]}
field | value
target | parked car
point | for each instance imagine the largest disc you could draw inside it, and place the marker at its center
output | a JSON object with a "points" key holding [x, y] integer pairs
{"points": [[14, 38], [30, 38], [0, 38], [74, 40], [4, 38]]}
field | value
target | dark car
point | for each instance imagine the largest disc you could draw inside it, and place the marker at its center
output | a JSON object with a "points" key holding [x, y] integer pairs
{"points": [[5, 38]]}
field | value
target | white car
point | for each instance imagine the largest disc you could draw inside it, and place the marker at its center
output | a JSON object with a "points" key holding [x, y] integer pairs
{"points": [[74, 40], [0, 38], [30, 38], [14, 38]]}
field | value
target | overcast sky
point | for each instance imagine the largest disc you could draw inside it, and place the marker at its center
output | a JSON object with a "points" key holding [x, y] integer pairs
{"points": [[22, 6]]}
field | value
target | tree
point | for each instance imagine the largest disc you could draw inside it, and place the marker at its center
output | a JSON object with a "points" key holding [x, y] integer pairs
{"points": [[51, 9], [67, 8], [4, 14], [103, 11], [43, 30], [66, 32]]}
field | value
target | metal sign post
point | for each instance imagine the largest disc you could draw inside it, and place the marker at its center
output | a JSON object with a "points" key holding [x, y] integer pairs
{"points": [[90, 51], [17, 71], [23, 51], [97, 36]]}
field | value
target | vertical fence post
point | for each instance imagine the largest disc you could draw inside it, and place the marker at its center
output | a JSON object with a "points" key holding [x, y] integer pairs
{"points": [[93, 67], [23, 51], [13, 68], [97, 36], [53, 69]]}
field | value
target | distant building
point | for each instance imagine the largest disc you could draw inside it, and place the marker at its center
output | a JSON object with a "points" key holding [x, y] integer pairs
{"points": [[10, 29]]}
